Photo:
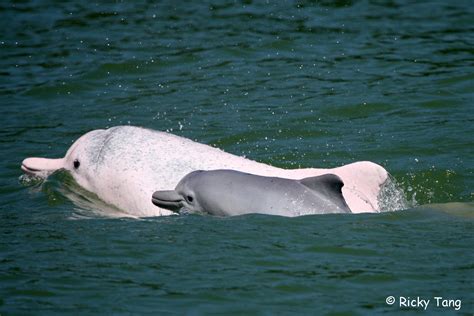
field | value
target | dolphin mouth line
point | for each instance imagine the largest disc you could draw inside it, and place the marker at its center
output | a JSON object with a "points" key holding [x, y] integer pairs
{"points": [[172, 205], [29, 169], [168, 199], [157, 200], [38, 172]]}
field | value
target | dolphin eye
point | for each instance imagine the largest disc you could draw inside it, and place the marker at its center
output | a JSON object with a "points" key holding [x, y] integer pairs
{"points": [[76, 164], [189, 198]]}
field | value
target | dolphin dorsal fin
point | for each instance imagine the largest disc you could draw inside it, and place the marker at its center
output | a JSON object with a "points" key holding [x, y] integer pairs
{"points": [[329, 185]]}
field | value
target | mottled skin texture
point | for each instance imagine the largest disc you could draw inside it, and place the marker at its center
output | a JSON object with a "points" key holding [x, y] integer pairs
{"points": [[124, 165], [230, 192]]}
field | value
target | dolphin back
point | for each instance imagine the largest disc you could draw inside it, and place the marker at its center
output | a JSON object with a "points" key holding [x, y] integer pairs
{"points": [[330, 186]]}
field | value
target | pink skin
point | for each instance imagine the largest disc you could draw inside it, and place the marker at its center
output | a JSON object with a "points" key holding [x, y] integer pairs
{"points": [[124, 165]]}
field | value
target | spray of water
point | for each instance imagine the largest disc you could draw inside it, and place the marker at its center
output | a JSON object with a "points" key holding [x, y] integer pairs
{"points": [[392, 197]]}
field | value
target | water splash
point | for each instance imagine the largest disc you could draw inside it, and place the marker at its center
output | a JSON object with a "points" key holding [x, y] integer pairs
{"points": [[392, 197], [29, 180]]}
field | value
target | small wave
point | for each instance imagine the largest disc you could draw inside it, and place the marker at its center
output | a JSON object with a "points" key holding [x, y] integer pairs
{"points": [[87, 204], [61, 187]]}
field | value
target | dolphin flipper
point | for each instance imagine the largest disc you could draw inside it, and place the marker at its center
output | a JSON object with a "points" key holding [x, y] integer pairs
{"points": [[331, 186]]}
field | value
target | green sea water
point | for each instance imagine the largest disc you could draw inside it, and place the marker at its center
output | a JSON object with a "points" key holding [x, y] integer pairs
{"points": [[293, 84]]}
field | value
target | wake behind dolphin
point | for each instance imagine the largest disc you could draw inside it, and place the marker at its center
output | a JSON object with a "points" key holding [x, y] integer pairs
{"points": [[124, 165], [229, 192]]}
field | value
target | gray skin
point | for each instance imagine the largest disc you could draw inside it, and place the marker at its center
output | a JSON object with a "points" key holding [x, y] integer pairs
{"points": [[229, 192]]}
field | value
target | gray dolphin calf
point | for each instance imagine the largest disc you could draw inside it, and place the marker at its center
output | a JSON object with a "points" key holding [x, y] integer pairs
{"points": [[229, 192]]}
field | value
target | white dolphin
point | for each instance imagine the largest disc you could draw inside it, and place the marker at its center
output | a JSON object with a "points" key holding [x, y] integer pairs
{"points": [[124, 165]]}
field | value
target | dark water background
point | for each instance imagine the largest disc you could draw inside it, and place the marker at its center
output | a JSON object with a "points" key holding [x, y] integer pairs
{"points": [[289, 83]]}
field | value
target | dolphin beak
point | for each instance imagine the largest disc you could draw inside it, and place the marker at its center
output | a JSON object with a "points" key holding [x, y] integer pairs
{"points": [[170, 200], [41, 167]]}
